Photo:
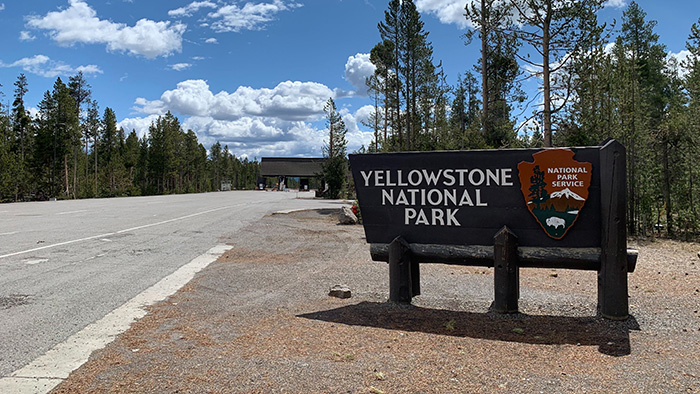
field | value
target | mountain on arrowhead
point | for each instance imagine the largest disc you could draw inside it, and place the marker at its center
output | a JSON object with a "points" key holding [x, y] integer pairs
{"points": [[563, 201], [566, 193]]}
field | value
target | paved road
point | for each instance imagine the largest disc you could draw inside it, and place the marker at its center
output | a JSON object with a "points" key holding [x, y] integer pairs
{"points": [[66, 264]]}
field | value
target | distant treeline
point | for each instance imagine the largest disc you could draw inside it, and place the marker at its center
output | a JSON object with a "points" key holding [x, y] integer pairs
{"points": [[71, 150]]}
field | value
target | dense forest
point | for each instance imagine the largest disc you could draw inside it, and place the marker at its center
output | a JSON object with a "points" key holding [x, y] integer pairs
{"points": [[595, 81], [71, 149]]}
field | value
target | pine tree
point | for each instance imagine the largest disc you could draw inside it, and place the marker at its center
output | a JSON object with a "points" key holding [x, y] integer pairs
{"points": [[21, 120], [93, 127], [498, 68], [687, 191], [592, 116], [553, 29], [67, 132], [334, 170], [80, 91], [642, 102], [8, 160], [109, 151], [385, 84], [215, 158], [23, 141], [390, 52], [412, 65]]}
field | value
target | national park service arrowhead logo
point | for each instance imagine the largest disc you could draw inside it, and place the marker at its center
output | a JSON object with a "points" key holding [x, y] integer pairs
{"points": [[555, 187]]}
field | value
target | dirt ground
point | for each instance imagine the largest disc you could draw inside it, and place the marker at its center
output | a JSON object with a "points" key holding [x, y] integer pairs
{"points": [[259, 320]]}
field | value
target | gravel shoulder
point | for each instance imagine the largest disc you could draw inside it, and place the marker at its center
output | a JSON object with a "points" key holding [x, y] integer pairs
{"points": [[259, 320]]}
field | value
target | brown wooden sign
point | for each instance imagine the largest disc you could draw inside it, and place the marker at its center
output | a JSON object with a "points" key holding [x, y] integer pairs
{"points": [[555, 208], [465, 197]]}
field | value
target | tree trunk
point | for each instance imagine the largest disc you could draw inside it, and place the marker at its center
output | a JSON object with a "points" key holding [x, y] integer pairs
{"points": [[75, 171], [484, 70], [65, 167], [94, 151], [546, 87], [667, 190], [87, 162]]}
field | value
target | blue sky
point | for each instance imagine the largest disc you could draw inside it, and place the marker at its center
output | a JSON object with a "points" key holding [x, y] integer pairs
{"points": [[252, 74]]}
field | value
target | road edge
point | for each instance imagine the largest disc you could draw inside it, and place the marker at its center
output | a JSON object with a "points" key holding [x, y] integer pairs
{"points": [[47, 371]]}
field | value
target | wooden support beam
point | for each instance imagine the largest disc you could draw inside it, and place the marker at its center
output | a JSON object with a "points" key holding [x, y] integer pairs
{"points": [[482, 256], [506, 272], [400, 267], [612, 276]]}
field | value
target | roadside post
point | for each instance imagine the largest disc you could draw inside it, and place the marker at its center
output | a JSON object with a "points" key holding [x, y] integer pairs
{"points": [[507, 209]]}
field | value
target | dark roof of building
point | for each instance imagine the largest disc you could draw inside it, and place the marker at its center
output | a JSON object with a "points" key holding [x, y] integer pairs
{"points": [[290, 166]]}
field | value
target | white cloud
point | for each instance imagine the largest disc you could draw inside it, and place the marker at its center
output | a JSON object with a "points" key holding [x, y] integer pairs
{"points": [[89, 69], [191, 8], [139, 124], [288, 101], [180, 66], [286, 120], [2, 6], [365, 113], [32, 111], [26, 36], [447, 11], [211, 40], [357, 69], [681, 59], [252, 16], [43, 65], [356, 138], [615, 3], [79, 24], [253, 137]]}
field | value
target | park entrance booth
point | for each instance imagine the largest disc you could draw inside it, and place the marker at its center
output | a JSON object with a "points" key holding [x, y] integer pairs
{"points": [[510, 208], [304, 168]]}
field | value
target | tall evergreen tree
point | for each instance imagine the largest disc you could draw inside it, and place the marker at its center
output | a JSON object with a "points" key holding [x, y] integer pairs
{"points": [[93, 126], [8, 159], [109, 151], [23, 141], [386, 85], [640, 60], [21, 119], [80, 91], [334, 167], [412, 65], [498, 68], [390, 31], [553, 29]]}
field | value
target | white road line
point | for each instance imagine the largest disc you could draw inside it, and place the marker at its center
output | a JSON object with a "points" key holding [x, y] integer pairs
{"points": [[106, 235], [35, 261], [10, 233], [70, 212], [47, 371]]}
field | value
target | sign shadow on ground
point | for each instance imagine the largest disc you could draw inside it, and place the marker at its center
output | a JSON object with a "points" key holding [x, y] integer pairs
{"points": [[611, 337]]}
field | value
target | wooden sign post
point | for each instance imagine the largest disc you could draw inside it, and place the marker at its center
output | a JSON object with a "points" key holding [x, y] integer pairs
{"points": [[553, 208]]}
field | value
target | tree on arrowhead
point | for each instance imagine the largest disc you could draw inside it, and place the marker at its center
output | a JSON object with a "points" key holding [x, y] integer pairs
{"points": [[538, 193]]}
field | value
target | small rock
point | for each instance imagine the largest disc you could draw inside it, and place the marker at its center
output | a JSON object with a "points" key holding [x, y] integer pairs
{"points": [[340, 291], [699, 255], [346, 216]]}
